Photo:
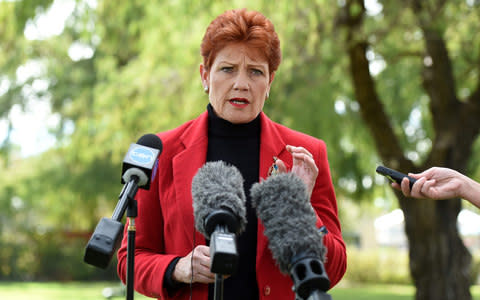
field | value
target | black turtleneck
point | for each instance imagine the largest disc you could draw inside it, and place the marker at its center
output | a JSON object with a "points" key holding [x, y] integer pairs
{"points": [[239, 145]]}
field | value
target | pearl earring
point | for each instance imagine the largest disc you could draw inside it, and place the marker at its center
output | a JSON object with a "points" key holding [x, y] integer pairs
{"points": [[205, 88]]}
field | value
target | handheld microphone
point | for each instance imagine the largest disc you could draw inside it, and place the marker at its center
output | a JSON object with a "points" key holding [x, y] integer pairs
{"points": [[219, 212], [137, 168], [296, 244]]}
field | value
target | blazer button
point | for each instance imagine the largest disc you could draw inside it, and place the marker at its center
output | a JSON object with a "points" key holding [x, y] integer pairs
{"points": [[266, 290]]}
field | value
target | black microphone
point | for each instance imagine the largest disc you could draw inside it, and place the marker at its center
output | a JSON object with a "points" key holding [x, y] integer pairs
{"points": [[282, 204], [219, 212], [137, 168]]}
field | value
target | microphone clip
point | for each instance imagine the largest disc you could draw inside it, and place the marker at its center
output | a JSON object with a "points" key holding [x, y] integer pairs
{"points": [[222, 217], [221, 226]]}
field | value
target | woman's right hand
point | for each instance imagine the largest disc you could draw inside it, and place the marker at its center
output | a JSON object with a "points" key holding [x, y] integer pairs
{"points": [[196, 262], [303, 166]]}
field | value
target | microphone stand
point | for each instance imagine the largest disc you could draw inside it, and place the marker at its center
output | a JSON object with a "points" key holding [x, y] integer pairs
{"points": [[127, 198], [223, 247], [218, 292], [223, 251]]}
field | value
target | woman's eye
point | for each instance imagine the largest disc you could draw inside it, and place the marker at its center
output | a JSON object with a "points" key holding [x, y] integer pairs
{"points": [[257, 72], [227, 69]]}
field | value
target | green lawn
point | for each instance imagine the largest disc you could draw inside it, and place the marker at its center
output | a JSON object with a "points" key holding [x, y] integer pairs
{"points": [[373, 292], [57, 290], [93, 291], [345, 291]]}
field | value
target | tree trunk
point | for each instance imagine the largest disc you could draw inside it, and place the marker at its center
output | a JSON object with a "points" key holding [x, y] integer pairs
{"points": [[439, 261]]}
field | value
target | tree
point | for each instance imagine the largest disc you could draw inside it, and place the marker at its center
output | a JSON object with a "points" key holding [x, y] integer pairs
{"points": [[439, 261]]}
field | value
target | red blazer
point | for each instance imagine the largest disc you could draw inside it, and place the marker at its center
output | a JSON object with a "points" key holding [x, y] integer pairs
{"points": [[165, 223]]}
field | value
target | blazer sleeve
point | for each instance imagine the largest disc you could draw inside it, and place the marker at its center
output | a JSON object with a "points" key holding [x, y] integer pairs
{"points": [[150, 260], [325, 205]]}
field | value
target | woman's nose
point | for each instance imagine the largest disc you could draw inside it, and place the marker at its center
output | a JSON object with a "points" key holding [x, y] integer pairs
{"points": [[241, 81]]}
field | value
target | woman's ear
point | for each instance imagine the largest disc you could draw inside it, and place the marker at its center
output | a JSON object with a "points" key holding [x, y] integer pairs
{"points": [[271, 79], [204, 77], [269, 84]]}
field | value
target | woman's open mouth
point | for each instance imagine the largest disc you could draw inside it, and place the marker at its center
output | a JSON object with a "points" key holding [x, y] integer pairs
{"points": [[239, 102]]}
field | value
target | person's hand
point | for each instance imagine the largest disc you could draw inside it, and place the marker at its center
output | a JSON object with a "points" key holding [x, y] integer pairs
{"points": [[303, 166], [435, 183], [199, 264]]}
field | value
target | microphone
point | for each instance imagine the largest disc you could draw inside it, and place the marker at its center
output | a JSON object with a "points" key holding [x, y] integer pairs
{"points": [[138, 165], [296, 244], [219, 212], [141, 159], [137, 168]]}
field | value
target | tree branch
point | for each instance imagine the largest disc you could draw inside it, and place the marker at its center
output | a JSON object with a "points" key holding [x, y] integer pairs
{"points": [[439, 83], [371, 107]]}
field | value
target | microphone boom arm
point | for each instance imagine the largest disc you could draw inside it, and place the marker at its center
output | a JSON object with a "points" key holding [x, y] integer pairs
{"points": [[126, 196]]}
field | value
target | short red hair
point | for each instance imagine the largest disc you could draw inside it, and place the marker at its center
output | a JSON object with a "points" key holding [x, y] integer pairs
{"points": [[240, 25]]}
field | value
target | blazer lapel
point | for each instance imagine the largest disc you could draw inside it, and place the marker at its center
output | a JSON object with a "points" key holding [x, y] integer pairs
{"points": [[185, 165]]}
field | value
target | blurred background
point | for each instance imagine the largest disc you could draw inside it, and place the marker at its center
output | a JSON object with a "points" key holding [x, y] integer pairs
{"points": [[382, 82]]}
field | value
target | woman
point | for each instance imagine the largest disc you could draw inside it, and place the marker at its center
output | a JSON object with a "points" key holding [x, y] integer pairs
{"points": [[241, 53], [441, 183]]}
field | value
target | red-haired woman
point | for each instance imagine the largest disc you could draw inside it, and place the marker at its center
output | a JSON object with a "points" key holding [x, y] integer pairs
{"points": [[241, 52]]}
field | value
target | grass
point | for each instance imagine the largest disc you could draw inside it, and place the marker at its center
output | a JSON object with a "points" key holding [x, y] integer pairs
{"points": [[58, 290], [373, 292], [346, 291], [93, 291]]}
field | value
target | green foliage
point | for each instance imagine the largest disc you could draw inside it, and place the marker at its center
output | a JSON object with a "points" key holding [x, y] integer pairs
{"points": [[373, 292], [45, 224], [475, 268], [378, 266], [387, 266], [35, 254]]}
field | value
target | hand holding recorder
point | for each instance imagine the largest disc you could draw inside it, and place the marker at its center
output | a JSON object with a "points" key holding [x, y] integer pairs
{"points": [[395, 176], [441, 183]]}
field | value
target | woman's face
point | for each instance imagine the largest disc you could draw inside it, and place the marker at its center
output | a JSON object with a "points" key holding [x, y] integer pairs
{"points": [[238, 82]]}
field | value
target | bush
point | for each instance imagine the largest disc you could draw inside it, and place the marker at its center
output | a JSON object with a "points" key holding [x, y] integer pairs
{"points": [[61, 258], [388, 265], [475, 270], [30, 256], [380, 265]]}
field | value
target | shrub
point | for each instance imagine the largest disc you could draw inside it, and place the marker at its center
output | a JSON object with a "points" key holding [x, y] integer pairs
{"points": [[380, 265], [48, 256], [388, 265]]}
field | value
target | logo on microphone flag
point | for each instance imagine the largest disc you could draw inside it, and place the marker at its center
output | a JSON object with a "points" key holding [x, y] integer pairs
{"points": [[142, 155]]}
